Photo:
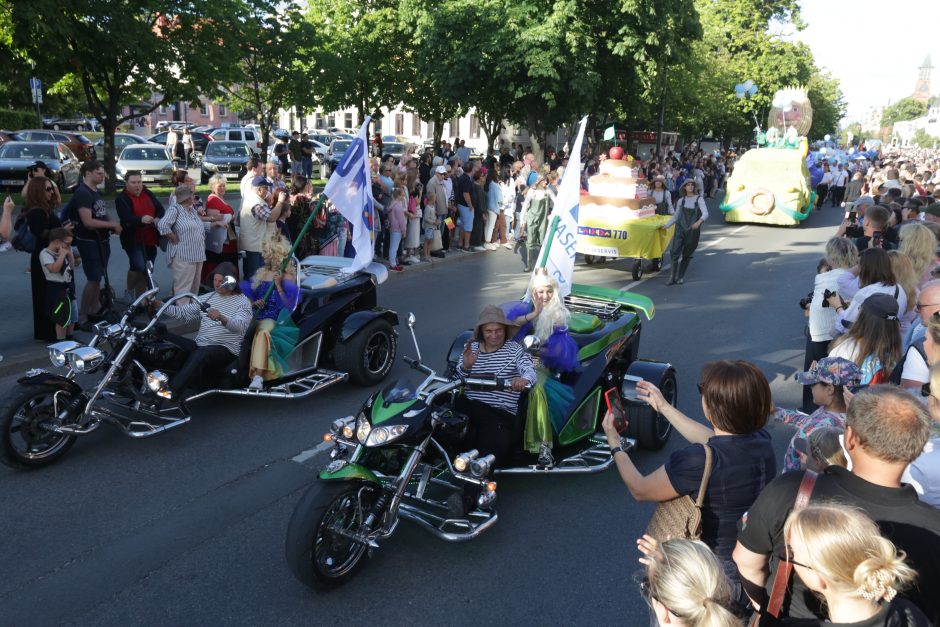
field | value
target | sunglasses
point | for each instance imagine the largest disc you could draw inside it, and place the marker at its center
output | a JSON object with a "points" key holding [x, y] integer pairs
{"points": [[788, 550], [919, 306], [645, 590], [50, 189]]}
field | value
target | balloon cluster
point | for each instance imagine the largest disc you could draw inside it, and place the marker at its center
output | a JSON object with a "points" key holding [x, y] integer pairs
{"points": [[747, 88]]}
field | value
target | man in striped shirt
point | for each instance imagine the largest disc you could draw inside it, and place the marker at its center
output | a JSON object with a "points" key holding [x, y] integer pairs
{"points": [[222, 327]]}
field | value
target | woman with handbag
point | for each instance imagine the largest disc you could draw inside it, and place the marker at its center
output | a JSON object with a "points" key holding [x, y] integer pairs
{"points": [[726, 465], [40, 201], [217, 209], [186, 237]]}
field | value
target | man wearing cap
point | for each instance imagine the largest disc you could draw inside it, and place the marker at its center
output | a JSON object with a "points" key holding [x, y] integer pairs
{"points": [[436, 186], [932, 212], [257, 219]]}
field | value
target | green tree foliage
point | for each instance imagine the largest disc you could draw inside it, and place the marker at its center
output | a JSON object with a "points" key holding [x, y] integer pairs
{"points": [[828, 104], [269, 74], [903, 109], [122, 53], [922, 140]]}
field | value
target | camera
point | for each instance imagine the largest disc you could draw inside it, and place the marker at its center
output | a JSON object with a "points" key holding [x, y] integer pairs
{"points": [[805, 301], [826, 296]]}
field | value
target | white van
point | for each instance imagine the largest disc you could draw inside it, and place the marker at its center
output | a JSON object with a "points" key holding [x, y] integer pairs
{"points": [[249, 136]]}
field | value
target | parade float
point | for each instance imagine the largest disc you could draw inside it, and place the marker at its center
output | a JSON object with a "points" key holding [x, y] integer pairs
{"points": [[617, 218], [770, 184]]}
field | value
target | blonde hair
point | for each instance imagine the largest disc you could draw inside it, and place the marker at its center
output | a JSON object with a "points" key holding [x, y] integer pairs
{"points": [[904, 275], [847, 550], [274, 250], [555, 313], [920, 246], [686, 577]]}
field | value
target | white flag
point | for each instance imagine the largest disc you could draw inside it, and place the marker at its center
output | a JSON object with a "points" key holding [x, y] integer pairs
{"points": [[350, 191], [561, 246]]}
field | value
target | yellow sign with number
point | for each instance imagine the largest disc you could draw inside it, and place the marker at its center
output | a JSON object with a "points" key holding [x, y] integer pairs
{"points": [[603, 232]]}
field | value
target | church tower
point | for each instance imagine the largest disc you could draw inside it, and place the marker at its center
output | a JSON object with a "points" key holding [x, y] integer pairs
{"points": [[922, 87]]}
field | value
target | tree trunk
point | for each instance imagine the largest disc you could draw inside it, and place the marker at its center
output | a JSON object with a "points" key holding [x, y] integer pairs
{"points": [[109, 126], [438, 131], [536, 137]]}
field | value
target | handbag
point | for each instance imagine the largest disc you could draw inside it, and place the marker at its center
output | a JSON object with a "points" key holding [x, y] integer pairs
{"points": [[23, 238], [782, 579], [681, 517]]}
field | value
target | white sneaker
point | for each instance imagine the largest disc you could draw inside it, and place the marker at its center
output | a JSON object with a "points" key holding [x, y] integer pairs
{"points": [[490, 246], [257, 383], [413, 260], [479, 249], [5, 246], [508, 246]]}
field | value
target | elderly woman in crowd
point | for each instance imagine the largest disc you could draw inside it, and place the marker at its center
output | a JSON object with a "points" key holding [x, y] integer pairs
{"points": [[186, 241], [216, 210], [920, 246], [492, 352], [737, 402], [139, 210]]}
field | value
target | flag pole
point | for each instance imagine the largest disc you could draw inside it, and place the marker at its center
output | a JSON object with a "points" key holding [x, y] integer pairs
{"points": [[547, 246], [300, 236]]}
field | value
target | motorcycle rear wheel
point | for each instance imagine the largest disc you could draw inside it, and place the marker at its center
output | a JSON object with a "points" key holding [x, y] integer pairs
{"points": [[25, 443], [318, 556]]}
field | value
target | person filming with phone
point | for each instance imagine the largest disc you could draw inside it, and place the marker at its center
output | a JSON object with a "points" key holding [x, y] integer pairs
{"points": [[740, 460]]}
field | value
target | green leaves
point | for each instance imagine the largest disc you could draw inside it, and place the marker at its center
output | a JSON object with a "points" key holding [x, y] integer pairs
{"points": [[903, 109]]}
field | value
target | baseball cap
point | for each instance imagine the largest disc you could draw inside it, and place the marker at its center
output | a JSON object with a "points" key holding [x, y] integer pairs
{"points": [[863, 201], [833, 370], [440, 170], [260, 181], [933, 209], [882, 306]]}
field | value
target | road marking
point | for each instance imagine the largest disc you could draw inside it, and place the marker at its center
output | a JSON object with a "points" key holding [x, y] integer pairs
{"points": [[630, 286], [311, 452]]}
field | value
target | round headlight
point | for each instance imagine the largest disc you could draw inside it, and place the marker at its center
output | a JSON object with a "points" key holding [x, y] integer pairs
{"points": [[363, 428], [85, 359], [379, 436], [58, 352], [157, 380], [347, 432]]}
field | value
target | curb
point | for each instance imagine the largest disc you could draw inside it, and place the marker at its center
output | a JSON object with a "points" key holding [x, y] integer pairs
{"points": [[452, 257]]}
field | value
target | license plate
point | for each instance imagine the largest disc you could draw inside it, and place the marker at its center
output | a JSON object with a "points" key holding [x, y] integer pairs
{"points": [[233, 175], [11, 182], [148, 179]]}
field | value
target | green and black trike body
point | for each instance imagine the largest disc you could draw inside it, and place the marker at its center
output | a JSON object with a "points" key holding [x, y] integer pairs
{"points": [[409, 452]]}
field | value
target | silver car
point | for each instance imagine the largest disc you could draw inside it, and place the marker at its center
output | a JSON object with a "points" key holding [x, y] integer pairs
{"points": [[151, 160], [17, 156]]}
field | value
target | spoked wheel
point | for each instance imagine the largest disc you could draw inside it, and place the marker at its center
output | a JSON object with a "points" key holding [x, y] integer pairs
{"points": [[26, 415], [637, 269], [369, 355], [319, 550]]}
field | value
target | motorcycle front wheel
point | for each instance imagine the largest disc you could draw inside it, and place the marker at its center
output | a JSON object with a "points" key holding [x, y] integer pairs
{"points": [[317, 552], [25, 416]]}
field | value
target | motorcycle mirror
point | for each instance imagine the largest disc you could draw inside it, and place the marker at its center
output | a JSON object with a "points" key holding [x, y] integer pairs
{"points": [[411, 319], [228, 283], [414, 338], [531, 343]]}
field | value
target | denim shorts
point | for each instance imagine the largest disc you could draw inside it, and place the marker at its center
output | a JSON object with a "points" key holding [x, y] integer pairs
{"points": [[94, 258], [466, 217]]}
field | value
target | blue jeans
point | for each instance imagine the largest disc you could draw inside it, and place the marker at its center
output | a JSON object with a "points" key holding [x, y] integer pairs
{"points": [[395, 238], [139, 254], [251, 263], [307, 166]]}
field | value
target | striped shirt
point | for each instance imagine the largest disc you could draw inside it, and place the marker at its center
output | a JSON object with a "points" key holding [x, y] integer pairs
{"points": [[236, 310], [189, 229], [508, 362]]}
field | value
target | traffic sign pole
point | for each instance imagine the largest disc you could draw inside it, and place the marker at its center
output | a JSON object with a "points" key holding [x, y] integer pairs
{"points": [[35, 86]]}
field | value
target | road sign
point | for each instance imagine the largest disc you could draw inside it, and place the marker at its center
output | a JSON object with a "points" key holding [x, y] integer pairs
{"points": [[37, 97], [35, 84]]}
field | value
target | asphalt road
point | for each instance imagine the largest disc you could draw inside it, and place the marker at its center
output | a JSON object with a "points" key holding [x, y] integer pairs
{"points": [[188, 528]]}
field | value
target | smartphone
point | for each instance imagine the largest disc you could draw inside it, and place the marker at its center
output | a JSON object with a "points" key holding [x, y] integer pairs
{"points": [[852, 216], [615, 406], [629, 387]]}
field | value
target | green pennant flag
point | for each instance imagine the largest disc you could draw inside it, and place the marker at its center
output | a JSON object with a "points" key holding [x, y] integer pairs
{"points": [[609, 134]]}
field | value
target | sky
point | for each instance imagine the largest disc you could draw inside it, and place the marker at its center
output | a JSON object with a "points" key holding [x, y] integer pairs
{"points": [[873, 47]]}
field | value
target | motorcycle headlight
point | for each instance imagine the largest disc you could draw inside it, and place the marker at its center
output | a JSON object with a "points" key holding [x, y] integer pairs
{"points": [[157, 381], [382, 435], [58, 352], [363, 428], [85, 359]]}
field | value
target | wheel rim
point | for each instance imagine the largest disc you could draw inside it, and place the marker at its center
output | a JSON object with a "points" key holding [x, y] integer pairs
{"points": [[333, 554], [28, 436], [663, 426], [377, 353]]}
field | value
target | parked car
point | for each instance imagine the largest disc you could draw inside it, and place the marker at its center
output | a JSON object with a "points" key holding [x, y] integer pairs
{"points": [[16, 156], [396, 149], [249, 136], [152, 160], [121, 141], [337, 149], [200, 141], [6, 136], [79, 144], [75, 124], [226, 158], [323, 138]]}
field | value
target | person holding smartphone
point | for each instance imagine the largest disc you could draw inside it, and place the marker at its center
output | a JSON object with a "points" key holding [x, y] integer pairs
{"points": [[736, 402]]}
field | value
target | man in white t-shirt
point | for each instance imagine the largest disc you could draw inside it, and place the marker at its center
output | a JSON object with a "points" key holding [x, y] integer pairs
{"points": [[916, 372], [839, 179]]}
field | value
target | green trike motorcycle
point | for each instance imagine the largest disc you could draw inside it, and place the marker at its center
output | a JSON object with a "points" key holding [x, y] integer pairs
{"points": [[408, 452]]}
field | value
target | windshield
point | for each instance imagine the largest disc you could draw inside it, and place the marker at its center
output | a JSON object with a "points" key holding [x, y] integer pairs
{"points": [[399, 392], [226, 149], [340, 147], [157, 153], [394, 148], [27, 151]]}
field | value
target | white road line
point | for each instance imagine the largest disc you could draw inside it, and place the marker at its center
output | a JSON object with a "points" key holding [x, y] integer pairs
{"points": [[630, 286], [311, 452]]}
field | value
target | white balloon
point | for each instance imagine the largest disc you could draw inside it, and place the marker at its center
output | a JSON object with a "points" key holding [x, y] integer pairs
{"points": [[827, 137]]}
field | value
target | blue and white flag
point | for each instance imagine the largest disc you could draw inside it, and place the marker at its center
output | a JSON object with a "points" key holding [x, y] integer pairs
{"points": [[561, 247], [350, 191]]}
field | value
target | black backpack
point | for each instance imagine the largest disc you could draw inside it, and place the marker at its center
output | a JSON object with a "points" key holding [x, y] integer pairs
{"points": [[895, 377], [23, 238]]}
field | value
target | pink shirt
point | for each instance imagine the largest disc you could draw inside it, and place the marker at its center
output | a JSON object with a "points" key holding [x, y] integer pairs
{"points": [[397, 223]]}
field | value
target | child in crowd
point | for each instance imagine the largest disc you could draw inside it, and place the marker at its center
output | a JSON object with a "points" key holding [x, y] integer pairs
{"points": [[429, 222], [413, 230], [58, 265], [397, 225], [828, 378]]}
